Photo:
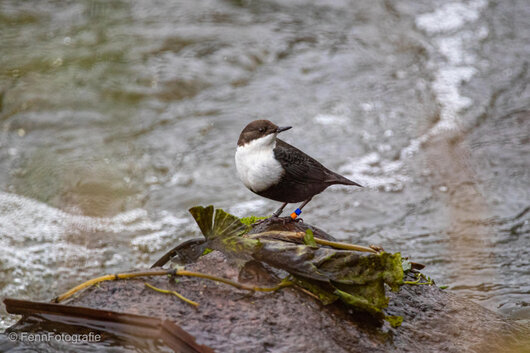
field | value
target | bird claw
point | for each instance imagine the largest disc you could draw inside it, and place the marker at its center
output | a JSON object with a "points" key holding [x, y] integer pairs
{"points": [[274, 219], [289, 219]]}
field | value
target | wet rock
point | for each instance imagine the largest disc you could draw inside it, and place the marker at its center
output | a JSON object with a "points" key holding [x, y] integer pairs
{"points": [[289, 320], [285, 224]]}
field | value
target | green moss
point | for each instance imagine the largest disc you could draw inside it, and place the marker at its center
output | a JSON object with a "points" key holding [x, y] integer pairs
{"points": [[359, 302], [394, 321], [325, 295], [309, 239], [206, 251], [251, 220], [419, 276]]}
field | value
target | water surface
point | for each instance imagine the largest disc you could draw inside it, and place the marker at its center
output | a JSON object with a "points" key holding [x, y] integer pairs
{"points": [[115, 118]]}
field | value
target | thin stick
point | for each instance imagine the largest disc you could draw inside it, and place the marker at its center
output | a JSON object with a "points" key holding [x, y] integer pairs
{"points": [[117, 276], [345, 246], [309, 293], [300, 235], [178, 295]]}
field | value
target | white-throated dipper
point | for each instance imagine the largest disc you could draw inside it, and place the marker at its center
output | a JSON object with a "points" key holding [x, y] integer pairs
{"points": [[276, 170]]}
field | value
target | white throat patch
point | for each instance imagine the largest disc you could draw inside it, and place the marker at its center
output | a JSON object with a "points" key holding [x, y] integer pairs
{"points": [[256, 165]]}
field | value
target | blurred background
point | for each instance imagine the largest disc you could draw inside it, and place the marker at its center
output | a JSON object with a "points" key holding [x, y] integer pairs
{"points": [[116, 117]]}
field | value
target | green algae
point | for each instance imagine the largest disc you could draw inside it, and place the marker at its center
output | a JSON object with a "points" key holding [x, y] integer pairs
{"points": [[309, 238], [419, 277], [206, 251], [251, 220], [394, 321]]}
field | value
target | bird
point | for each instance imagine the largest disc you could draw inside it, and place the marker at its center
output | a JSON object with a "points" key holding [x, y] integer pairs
{"points": [[272, 168]]}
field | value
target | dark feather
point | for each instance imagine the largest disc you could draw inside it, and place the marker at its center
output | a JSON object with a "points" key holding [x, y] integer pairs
{"points": [[301, 168]]}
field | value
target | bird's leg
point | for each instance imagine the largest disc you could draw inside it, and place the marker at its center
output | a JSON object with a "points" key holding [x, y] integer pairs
{"points": [[278, 212], [275, 215], [297, 212]]}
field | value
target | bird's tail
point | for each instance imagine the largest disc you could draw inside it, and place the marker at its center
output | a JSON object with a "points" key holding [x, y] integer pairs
{"points": [[339, 179]]}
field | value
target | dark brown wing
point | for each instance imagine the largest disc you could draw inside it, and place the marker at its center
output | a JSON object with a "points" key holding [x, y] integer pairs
{"points": [[301, 168]]}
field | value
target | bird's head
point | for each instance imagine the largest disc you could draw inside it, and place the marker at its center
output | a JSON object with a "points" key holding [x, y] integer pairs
{"points": [[262, 130]]}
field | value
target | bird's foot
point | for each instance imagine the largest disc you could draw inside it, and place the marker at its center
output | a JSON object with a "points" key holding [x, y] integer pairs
{"points": [[288, 219], [277, 219]]}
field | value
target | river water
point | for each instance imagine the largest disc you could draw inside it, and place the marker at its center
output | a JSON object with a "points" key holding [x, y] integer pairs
{"points": [[116, 117]]}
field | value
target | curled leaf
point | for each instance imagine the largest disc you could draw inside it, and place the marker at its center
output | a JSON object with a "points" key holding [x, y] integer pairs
{"points": [[329, 273]]}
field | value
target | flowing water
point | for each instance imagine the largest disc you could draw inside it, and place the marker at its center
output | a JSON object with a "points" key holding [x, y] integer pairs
{"points": [[116, 117]]}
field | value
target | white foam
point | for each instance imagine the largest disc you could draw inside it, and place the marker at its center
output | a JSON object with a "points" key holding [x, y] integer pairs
{"points": [[446, 87], [456, 67], [452, 48], [24, 219], [38, 241], [445, 24], [330, 119], [181, 179], [152, 242], [373, 172], [450, 16]]}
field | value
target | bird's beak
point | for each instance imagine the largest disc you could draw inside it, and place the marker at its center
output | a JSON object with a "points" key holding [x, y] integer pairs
{"points": [[281, 129]]}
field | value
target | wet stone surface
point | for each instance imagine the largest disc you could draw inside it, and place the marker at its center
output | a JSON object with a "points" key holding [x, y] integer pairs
{"points": [[289, 320]]}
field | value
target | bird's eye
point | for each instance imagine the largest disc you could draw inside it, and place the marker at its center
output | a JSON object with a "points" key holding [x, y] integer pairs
{"points": [[261, 129]]}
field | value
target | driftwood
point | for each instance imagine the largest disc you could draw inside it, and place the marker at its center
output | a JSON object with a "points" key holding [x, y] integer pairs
{"points": [[229, 319], [171, 334]]}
